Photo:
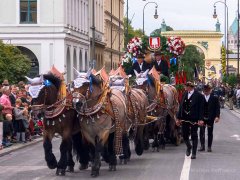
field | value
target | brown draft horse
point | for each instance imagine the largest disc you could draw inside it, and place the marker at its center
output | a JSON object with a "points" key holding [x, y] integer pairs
{"points": [[163, 103], [58, 118], [102, 117], [137, 104]]}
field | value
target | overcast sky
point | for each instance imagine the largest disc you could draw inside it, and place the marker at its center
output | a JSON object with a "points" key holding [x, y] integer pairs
{"points": [[180, 14]]}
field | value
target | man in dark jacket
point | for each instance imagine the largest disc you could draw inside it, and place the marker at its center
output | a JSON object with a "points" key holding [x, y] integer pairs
{"points": [[190, 114], [211, 115], [141, 65], [160, 65], [230, 97]]}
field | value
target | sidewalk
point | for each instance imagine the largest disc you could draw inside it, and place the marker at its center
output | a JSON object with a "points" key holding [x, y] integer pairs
{"points": [[234, 108], [17, 146]]}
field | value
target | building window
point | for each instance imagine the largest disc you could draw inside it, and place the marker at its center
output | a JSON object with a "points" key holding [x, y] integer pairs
{"points": [[28, 11]]}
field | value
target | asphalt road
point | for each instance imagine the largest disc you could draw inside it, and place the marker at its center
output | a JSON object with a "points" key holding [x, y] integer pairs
{"points": [[169, 164]]}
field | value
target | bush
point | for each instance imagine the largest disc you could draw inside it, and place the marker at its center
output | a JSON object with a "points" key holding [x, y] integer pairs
{"points": [[13, 64]]}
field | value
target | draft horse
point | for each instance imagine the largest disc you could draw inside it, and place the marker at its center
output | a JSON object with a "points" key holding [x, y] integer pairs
{"points": [[163, 104], [102, 117], [137, 104], [59, 117]]}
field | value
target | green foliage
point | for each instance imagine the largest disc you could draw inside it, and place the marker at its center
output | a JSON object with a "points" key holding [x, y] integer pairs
{"points": [[164, 79], [192, 58], [127, 66], [232, 80], [179, 86], [131, 32], [223, 54], [13, 65], [157, 32], [224, 79]]}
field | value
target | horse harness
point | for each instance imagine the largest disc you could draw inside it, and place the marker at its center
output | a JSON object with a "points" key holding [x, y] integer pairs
{"points": [[55, 109]]}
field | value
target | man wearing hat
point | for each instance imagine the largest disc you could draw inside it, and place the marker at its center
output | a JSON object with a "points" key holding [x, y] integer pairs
{"points": [[160, 65], [211, 115], [140, 65], [190, 114]]}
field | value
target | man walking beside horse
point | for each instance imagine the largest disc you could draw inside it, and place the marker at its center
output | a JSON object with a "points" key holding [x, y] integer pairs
{"points": [[190, 114]]}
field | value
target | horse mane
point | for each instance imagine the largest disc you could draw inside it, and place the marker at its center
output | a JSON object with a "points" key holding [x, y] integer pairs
{"points": [[53, 79], [96, 80], [151, 80]]}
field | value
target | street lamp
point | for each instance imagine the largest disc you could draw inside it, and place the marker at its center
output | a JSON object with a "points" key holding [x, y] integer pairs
{"points": [[155, 15], [238, 43], [226, 27]]}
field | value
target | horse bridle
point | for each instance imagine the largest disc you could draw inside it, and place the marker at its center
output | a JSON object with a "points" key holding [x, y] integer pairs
{"points": [[43, 106]]}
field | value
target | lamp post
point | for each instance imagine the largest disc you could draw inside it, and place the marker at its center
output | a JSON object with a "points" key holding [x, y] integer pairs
{"points": [[93, 35], [226, 27], [155, 15], [238, 43]]}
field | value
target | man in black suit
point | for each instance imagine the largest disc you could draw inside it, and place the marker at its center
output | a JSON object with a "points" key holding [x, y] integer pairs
{"points": [[160, 65], [190, 114], [211, 115], [140, 66]]}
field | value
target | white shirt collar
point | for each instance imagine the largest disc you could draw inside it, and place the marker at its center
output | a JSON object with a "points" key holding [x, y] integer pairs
{"points": [[207, 97], [158, 62], [190, 93], [140, 65]]}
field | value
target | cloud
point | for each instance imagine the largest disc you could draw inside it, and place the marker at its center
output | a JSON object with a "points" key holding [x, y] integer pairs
{"points": [[181, 15]]}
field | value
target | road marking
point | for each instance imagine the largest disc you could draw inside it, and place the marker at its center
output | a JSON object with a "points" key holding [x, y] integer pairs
{"points": [[236, 136], [186, 168]]}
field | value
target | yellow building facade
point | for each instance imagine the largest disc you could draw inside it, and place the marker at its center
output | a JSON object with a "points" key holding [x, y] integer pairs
{"points": [[208, 42], [113, 33]]}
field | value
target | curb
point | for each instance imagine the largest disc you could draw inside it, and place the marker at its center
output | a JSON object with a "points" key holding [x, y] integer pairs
{"points": [[13, 148], [234, 109]]}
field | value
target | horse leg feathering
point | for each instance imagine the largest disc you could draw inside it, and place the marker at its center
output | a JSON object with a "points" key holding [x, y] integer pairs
{"points": [[49, 156]]}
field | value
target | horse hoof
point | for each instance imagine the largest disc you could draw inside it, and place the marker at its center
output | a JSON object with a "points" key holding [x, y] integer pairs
{"points": [[125, 161], [112, 168], [83, 166], [95, 173], [121, 161], [60, 172], [157, 149], [52, 166], [70, 169]]}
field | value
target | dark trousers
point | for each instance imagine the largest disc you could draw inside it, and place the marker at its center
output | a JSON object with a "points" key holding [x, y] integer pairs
{"points": [[210, 126], [187, 130]]}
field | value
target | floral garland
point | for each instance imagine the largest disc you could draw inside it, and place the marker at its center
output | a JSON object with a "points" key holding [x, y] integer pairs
{"points": [[223, 52], [176, 45], [134, 47]]}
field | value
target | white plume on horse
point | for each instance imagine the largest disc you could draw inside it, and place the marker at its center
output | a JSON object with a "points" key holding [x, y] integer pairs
{"points": [[82, 78], [36, 85], [141, 77], [36, 80]]}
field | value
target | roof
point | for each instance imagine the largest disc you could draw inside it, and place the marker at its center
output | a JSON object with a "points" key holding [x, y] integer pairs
{"points": [[193, 33], [234, 27]]}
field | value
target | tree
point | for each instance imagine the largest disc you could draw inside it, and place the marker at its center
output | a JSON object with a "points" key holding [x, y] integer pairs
{"points": [[130, 34], [157, 32], [191, 60], [13, 64]]}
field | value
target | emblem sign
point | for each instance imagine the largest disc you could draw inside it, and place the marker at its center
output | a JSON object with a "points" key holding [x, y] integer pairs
{"points": [[154, 43]]}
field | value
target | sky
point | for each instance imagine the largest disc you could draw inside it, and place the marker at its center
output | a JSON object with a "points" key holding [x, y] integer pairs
{"points": [[179, 14]]}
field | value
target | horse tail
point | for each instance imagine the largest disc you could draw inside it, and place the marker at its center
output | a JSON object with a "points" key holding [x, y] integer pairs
{"points": [[80, 148]]}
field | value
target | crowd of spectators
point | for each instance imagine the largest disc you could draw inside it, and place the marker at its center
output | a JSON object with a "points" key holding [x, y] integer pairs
{"points": [[16, 123]]}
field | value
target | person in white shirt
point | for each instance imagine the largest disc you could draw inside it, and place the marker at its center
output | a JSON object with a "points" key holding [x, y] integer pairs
{"points": [[238, 97], [211, 115]]}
